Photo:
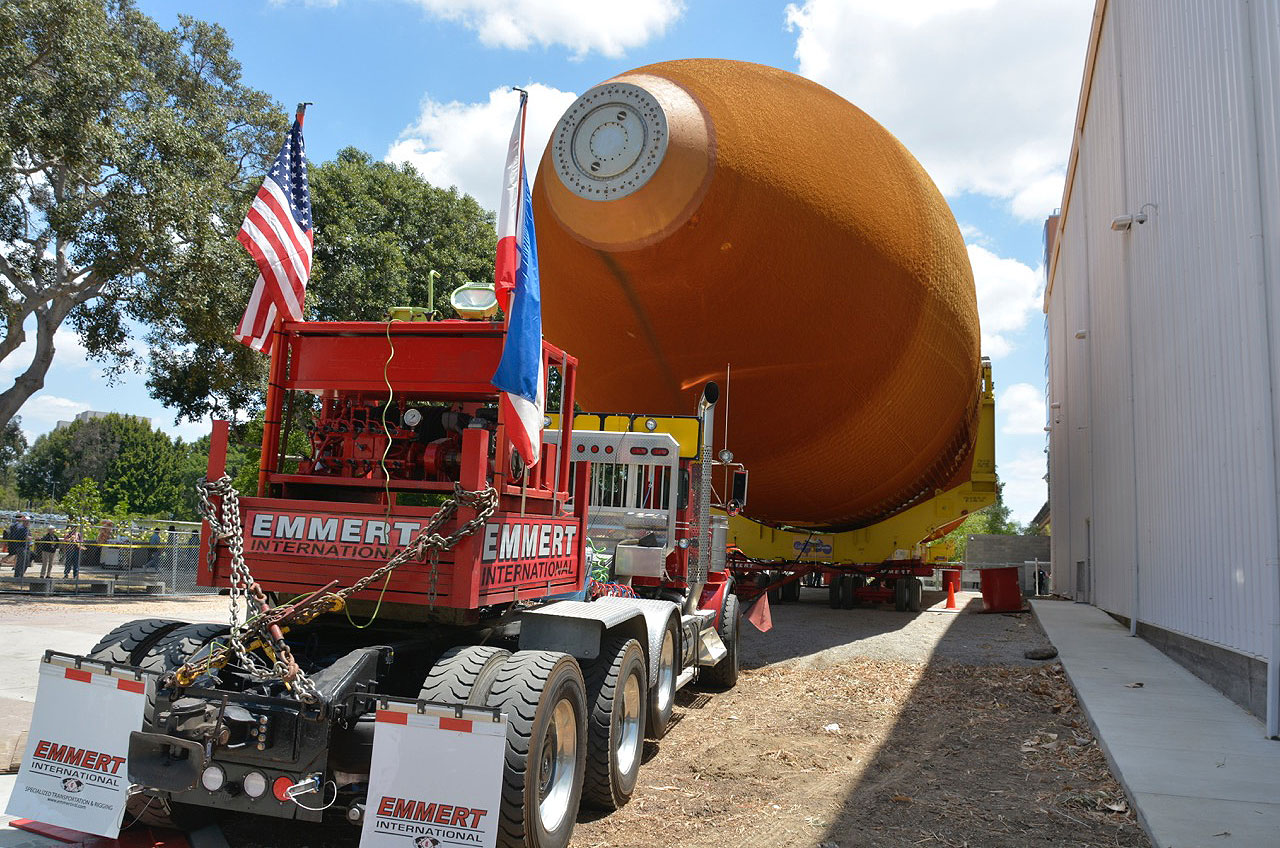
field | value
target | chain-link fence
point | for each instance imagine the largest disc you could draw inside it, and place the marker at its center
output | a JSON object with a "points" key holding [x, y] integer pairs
{"points": [[50, 557]]}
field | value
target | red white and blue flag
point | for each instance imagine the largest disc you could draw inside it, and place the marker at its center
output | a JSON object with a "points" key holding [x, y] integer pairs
{"points": [[278, 234], [520, 375]]}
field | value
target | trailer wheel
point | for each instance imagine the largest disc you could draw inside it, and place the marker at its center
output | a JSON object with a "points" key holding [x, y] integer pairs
{"points": [[915, 594], [724, 674], [544, 697], [791, 591], [662, 695], [616, 689], [775, 594], [129, 642], [463, 675], [900, 592], [833, 591], [848, 583]]}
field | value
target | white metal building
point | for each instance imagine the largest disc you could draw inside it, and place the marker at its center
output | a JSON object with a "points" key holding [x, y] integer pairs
{"points": [[1163, 312]]}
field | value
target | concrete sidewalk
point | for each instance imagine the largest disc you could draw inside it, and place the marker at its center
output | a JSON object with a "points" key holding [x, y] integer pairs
{"points": [[1196, 766]]}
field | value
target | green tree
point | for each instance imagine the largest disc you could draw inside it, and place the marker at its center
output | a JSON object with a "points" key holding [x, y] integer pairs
{"points": [[128, 154], [381, 229], [83, 504], [13, 444], [135, 467]]}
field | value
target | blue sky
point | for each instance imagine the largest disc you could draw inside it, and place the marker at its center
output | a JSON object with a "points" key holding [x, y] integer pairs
{"points": [[983, 92]]}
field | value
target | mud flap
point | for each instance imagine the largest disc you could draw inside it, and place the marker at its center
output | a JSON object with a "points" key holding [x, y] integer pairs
{"points": [[436, 776], [75, 771]]}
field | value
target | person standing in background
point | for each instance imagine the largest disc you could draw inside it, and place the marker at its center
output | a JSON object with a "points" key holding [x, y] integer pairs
{"points": [[22, 543], [47, 550], [72, 545]]}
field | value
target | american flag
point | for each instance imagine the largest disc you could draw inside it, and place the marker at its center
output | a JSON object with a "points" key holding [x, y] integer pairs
{"points": [[277, 232]]}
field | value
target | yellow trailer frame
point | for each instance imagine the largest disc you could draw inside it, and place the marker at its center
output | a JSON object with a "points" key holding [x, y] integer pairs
{"points": [[913, 534]]}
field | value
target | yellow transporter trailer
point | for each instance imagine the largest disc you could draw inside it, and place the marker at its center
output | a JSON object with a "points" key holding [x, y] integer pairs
{"points": [[878, 563]]}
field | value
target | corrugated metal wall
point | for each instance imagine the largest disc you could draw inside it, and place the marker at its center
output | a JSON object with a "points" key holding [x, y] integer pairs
{"points": [[1162, 453]]}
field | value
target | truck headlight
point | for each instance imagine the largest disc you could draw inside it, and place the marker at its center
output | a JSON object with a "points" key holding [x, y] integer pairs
{"points": [[255, 784], [213, 778]]}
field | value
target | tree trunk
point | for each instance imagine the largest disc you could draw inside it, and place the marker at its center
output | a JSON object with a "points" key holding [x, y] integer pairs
{"points": [[48, 319]]}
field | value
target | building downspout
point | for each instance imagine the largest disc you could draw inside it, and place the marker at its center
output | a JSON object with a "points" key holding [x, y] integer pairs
{"points": [[1268, 264]]}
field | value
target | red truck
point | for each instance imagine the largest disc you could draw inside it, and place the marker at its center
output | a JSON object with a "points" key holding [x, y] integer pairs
{"points": [[408, 562]]}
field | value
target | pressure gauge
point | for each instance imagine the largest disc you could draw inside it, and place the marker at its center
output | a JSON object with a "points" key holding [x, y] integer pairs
{"points": [[412, 417], [726, 456]]}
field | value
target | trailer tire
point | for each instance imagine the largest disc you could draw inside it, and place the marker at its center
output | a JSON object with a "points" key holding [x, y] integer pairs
{"points": [[775, 594], [662, 694], [463, 675], [915, 594], [791, 591], [833, 590], [129, 642], [616, 693], [848, 585], [900, 594], [544, 697], [724, 674]]}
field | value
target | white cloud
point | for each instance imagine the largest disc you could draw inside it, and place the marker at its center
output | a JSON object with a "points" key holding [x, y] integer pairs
{"points": [[608, 27], [68, 352], [983, 92], [42, 412], [1021, 407], [465, 144], [1025, 490], [1008, 295]]}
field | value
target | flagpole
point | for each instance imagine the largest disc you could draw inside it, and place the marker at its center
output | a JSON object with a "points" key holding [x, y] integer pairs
{"points": [[275, 399], [271, 420]]}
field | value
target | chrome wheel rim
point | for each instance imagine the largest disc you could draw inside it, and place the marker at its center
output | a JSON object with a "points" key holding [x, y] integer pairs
{"points": [[666, 672], [556, 765], [629, 732]]}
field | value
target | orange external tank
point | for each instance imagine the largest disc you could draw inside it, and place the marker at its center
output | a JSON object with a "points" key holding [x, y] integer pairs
{"points": [[699, 214]]}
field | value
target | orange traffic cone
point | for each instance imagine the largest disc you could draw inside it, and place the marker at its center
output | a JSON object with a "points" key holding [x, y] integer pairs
{"points": [[951, 595]]}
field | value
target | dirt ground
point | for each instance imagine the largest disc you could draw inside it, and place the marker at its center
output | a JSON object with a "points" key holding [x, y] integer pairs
{"points": [[847, 728], [926, 729]]}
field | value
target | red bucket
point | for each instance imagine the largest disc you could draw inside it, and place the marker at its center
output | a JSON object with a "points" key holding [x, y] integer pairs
{"points": [[1000, 589], [951, 579]]}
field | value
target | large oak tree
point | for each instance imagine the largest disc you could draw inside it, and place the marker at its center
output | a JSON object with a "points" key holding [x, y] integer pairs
{"points": [[128, 154]]}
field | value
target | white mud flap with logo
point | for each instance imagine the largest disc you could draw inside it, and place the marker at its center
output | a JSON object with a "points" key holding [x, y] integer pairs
{"points": [[436, 777], [74, 773]]}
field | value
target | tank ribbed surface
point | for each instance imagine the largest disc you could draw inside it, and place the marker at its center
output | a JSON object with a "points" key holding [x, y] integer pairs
{"points": [[763, 222]]}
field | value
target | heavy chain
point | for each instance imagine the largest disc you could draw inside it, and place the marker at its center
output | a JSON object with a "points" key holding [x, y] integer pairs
{"points": [[265, 628]]}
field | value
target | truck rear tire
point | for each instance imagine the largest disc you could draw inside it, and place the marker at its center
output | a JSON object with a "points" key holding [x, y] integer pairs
{"points": [[463, 675], [129, 643], [900, 594], [791, 591], [724, 674], [179, 645], [833, 590], [616, 695], [662, 694], [544, 697]]}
